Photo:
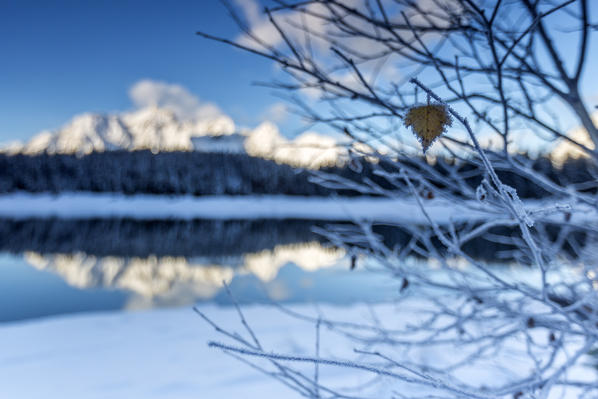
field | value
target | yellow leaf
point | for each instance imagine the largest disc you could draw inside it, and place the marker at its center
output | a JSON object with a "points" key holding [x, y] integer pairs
{"points": [[428, 122]]}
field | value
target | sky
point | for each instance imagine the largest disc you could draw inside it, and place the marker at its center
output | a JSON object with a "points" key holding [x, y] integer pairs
{"points": [[66, 57]]}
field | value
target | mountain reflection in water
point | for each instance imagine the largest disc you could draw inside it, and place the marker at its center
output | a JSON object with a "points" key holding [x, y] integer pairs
{"points": [[67, 265], [54, 266], [166, 277]]}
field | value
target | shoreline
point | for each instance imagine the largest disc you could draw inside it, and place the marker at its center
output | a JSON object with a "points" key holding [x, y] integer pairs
{"points": [[76, 205]]}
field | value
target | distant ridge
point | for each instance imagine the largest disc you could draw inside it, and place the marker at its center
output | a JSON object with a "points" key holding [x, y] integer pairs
{"points": [[159, 129], [151, 128]]}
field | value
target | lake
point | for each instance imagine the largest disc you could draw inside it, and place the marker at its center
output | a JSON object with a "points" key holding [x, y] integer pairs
{"points": [[53, 266]]}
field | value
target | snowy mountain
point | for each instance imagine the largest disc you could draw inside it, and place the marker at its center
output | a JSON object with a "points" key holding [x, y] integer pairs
{"points": [[309, 149], [159, 129], [153, 128], [566, 149]]}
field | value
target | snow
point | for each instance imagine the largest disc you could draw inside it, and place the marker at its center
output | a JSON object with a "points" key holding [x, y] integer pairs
{"points": [[158, 354], [155, 354], [309, 149], [165, 354], [565, 149], [88, 205], [151, 127], [160, 127], [105, 205]]}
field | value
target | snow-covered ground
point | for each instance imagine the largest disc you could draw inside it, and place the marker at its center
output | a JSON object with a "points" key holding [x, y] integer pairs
{"points": [[163, 354], [153, 354], [144, 206], [86, 205]]}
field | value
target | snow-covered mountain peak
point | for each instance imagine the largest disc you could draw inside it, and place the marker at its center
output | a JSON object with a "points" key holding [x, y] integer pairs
{"points": [[150, 116], [152, 127], [83, 134], [160, 129], [264, 140], [215, 126], [309, 149]]}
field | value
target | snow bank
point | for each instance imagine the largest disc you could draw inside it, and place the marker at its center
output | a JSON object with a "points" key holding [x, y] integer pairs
{"points": [[164, 354], [88, 205], [155, 354]]}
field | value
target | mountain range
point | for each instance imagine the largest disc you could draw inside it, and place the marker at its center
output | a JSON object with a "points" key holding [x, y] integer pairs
{"points": [[159, 129]]}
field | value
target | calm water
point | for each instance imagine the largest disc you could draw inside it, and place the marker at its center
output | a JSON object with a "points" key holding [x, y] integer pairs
{"points": [[55, 266]]}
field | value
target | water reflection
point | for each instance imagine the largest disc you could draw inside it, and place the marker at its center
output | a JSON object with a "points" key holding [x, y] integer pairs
{"points": [[64, 266], [93, 264], [196, 238], [141, 238], [166, 278]]}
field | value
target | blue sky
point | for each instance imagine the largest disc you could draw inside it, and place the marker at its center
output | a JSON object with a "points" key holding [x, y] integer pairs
{"points": [[65, 57], [62, 58]]}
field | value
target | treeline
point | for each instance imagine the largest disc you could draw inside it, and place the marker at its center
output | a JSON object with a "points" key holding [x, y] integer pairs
{"points": [[580, 174], [174, 173], [195, 173]]}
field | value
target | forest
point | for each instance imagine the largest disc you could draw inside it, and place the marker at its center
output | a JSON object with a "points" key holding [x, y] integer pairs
{"points": [[196, 173]]}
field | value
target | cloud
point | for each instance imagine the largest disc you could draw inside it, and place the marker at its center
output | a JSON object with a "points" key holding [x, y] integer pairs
{"points": [[314, 18], [251, 10], [167, 117], [186, 106], [277, 113], [308, 27], [291, 21]]}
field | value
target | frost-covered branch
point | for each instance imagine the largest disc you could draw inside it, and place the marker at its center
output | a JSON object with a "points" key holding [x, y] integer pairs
{"points": [[523, 323]]}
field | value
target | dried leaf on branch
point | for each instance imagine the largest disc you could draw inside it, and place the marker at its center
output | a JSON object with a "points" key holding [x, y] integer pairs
{"points": [[428, 122]]}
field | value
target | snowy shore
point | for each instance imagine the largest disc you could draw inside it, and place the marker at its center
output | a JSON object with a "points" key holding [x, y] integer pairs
{"points": [[88, 205], [163, 354], [154, 354]]}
